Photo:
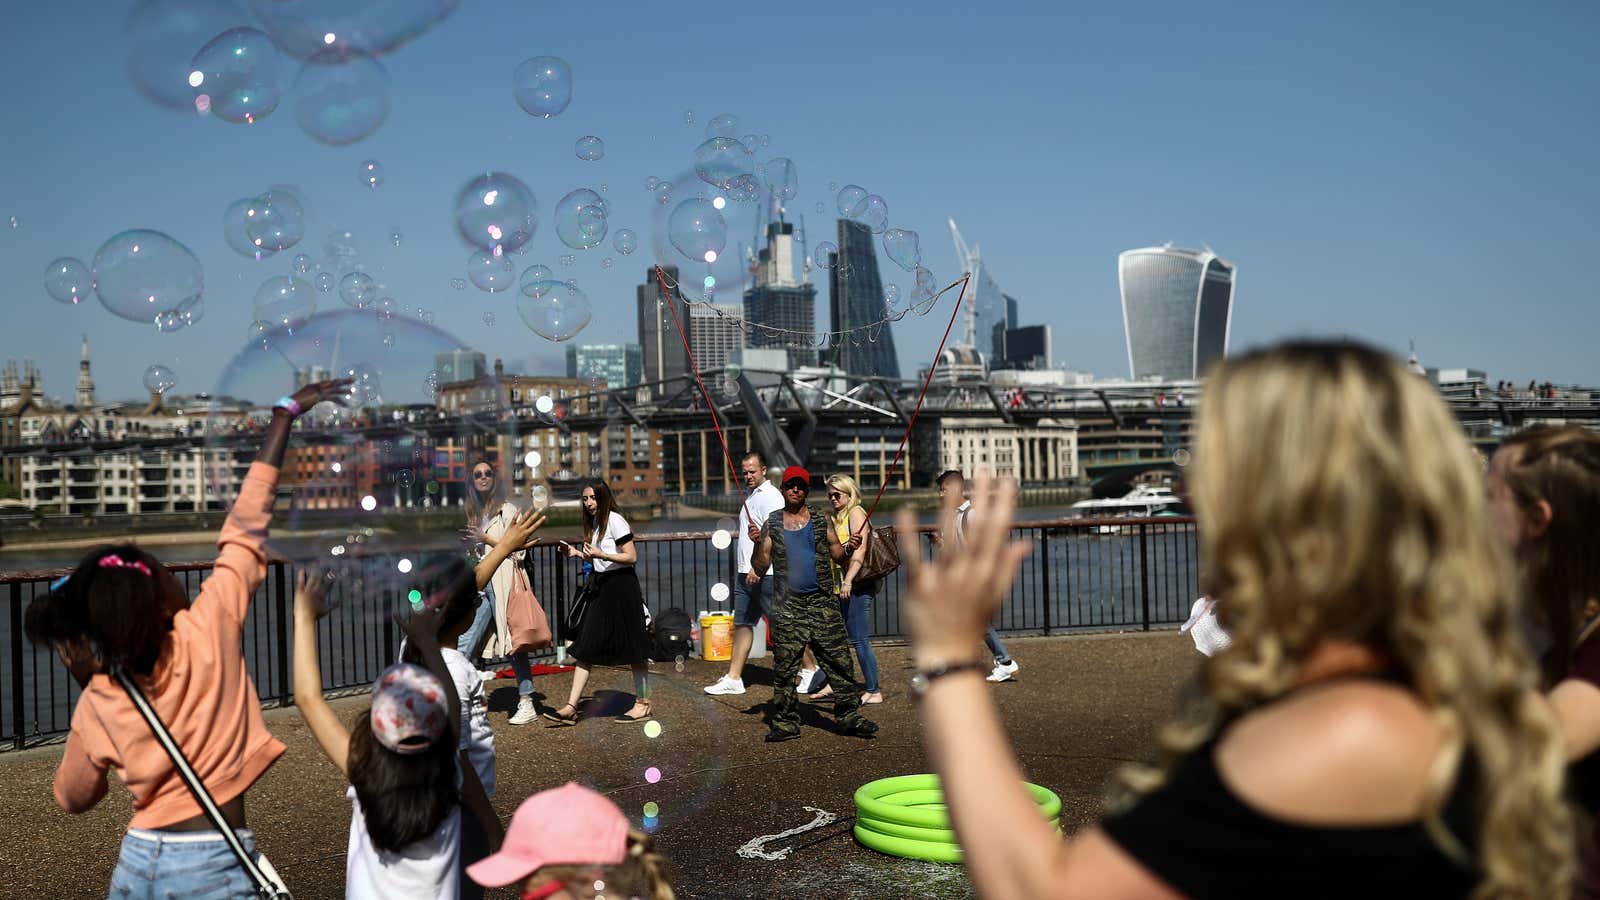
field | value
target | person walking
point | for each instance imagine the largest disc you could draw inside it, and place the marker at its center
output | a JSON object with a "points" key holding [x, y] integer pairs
{"points": [[855, 596], [953, 483], [613, 631], [488, 514], [752, 587], [799, 544]]}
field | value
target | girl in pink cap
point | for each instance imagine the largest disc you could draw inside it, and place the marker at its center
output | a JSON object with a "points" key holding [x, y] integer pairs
{"points": [[571, 842]]}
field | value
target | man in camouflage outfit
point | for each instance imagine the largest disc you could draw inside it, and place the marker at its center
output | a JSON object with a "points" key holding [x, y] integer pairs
{"points": [[799, 544]]}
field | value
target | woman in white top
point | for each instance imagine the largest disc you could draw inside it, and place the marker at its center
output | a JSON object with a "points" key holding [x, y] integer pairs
{"points": [[613, 631], [488, 513]]}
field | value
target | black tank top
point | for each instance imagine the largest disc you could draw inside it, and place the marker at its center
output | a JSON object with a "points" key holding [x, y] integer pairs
{"points": [[1195, 835]]}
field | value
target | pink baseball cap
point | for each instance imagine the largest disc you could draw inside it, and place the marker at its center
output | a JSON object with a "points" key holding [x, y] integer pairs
{"points": [[566, 826], [408, 709]]}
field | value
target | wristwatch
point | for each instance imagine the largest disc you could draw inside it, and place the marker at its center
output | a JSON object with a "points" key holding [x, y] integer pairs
{"points": [[926, 677]]}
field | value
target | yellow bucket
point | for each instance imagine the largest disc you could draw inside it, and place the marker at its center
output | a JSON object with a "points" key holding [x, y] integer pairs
{"points": [[716, 636]]}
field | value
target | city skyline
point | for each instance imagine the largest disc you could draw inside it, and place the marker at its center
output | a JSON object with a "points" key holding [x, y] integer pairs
{"points": [[1353, 132]]}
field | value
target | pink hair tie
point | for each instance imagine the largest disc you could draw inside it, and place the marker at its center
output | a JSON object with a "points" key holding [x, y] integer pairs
{"points": [[113, 561]]}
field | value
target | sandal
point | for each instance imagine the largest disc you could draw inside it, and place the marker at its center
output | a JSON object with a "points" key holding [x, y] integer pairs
{"points": [[557, 720], [624, 717]]}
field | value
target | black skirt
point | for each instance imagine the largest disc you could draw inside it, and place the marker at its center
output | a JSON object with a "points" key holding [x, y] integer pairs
{"points": [[613, 631]]}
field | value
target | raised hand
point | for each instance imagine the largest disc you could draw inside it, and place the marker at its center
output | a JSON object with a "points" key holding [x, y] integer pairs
{"points": [[951, 600], [311, 594], [520, 529], [319, 391]]}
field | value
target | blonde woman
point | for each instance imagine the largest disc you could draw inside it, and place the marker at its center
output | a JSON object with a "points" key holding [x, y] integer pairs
{"points": [[1373, 732], [855, 597], [489, 513]]}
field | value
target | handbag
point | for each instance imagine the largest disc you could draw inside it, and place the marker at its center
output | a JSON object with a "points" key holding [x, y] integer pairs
{"points": [[525, 618], [269, 886], [580, 605], [883, 553]]}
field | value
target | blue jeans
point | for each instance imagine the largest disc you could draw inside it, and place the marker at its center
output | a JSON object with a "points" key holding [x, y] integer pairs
{"points": [[857, 612], [522, 667], [158, 865], [992, 638], [471, 641]]}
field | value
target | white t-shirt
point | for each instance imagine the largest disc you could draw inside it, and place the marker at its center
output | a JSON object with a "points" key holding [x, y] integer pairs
{"points": [[960, 524], [763, 502], [1209, 636], [423, 869], [616, 530], [477, 738]]}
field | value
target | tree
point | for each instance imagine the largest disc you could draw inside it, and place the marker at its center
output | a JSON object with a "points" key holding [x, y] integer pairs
{"points": [[8, 491]]}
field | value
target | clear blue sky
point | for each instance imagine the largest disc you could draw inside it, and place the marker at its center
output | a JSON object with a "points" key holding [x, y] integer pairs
{"points": [[1384, 171]]}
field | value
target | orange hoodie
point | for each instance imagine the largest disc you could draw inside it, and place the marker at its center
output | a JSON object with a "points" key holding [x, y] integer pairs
{"points": [[199, 688]]}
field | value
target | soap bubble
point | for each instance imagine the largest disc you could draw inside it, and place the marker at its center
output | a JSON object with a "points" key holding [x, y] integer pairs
{"points": [[724, 125], [356, 289], [695, 228], [721, 160], [260, 334], [925, 289], [324, 281], [567, 259], [488, 319], [162, 35], [158, 379], [305, 28], [625, 241], [366, 387], [904, 247], [237, 73], [396, 238], [781, 178], [302, 264], [490, 272], [236, 221], [852, 200], [607, 263], [496, 210], [178, 319], [459, 284], [140, 274], [590, 148], [688, 117], [67, 280], [278, 223], [535, 280], [824, 254], [874, 213], [663, 192], [554, 311], [284, 302], [542, 86], [371, 172], [581, 219], [891, 296], [341, 97]]}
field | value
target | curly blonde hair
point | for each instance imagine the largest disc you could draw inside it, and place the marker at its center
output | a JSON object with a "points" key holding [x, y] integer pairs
{"points": [[643, 874], [1337, 499]]}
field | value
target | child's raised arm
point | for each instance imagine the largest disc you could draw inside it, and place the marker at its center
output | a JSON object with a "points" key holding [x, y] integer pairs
{"points": [[310, 593], [518, 535]]}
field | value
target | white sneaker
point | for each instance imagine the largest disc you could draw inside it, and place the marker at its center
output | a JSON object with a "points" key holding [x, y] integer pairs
{"points": [[807, 678], [726, 685], [525, 712], [488, 675], [1003, 671]]}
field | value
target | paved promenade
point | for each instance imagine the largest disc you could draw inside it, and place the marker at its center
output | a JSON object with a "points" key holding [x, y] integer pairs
{"points": [[1083, 706]]}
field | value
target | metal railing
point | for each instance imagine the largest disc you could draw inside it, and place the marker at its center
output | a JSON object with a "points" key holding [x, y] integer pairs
{"points": [[1083, 574]]}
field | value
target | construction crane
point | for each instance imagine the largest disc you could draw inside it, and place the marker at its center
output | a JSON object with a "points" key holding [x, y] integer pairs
{"points": [[970, 260]]}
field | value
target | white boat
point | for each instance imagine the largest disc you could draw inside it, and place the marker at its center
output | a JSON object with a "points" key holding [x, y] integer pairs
{"points": [[1141, 502]]}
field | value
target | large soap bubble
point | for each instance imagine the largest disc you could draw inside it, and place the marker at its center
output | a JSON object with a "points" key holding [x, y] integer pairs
{"points": [[496, 211], [542, 86], [283, 301], [581, 219], [162, 36], [341, 97], [68, 281], [305, 28], [140, 274], [721, 161], [904, 247], [852, 200], [279, 221], [236, 76], [555, 311], [697, 228], [873, 213]]}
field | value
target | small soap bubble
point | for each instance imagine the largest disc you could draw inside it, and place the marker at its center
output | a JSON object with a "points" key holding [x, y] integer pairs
{"points": [[720, 161], [158, 379], [606, 263], [781, 178], [459, 284], [324, 281], [590, 148], [357, 290], [903, 247], [535, 280], [581, 219], [852, 200], [696, 228], [278, 222], [496, 212], [625, 241], [285, 302], [489, 272], [874, 214], [426, 315], [488, 319], [688, 117], [396, 238], [371, 172], [554, 311], [68, 281], [341, 97], [236, 222], [302, 264], [820, 207], [237, 74], [542, 86], [891, 295], [824, 254], [723, 125]]}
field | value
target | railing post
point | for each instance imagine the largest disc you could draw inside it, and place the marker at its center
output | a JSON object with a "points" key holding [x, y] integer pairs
{"points": [[280, 605], [16, 664], [1144, 572], [561, 602], [1044, 573]]}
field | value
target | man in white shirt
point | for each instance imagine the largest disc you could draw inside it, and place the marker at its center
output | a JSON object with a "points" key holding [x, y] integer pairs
{"points": [[751, 590], [953, 481]]}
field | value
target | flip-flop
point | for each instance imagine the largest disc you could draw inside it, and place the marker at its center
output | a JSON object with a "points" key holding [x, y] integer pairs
{"points": [[556, 720], [624, 717]]}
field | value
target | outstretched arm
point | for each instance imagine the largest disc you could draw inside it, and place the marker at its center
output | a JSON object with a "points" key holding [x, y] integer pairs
{"points": [[518, 534], [310, 595], [761, 557]]}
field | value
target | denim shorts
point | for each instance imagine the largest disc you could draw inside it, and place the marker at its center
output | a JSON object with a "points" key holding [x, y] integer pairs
{"points": [[198, 865], [750, 602]]}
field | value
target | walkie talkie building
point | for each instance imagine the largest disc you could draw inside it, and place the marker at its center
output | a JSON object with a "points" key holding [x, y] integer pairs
{"points": [[1177, 306]]}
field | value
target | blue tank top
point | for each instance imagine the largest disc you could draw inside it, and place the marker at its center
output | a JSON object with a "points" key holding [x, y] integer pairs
{"points": [[802, 548]]}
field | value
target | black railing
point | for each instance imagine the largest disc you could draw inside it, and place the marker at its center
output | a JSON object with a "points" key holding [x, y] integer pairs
{"points": [[1083, 574]]}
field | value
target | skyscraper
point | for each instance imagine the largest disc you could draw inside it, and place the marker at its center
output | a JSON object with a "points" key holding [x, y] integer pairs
{"points": [[1177, 307], [778, 299], [618, 365], [990, 311], [1027, 347], [716, 337], [663, 353], [458, 365], [855, 299]]}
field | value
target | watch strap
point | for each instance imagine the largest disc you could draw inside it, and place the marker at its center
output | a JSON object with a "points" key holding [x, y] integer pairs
{"points": [[924, 678]]}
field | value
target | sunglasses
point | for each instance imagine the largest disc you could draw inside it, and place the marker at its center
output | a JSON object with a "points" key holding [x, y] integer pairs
{"points": [[834, 495], [482, 474], [796, 486]]}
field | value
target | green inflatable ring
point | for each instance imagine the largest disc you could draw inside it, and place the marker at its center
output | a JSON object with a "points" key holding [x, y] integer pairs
{"points": [[905, 816]]}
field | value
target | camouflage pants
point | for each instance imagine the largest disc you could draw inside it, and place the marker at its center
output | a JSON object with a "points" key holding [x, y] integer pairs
{"points": [[813, 619]]}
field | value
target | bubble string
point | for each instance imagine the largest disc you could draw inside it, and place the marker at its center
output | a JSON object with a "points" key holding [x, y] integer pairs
{"points": [[716, 420]]}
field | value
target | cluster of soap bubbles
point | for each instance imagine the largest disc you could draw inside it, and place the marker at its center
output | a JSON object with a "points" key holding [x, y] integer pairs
{"points": [[140, 275], [260, 226], [857, 205], [581, 219]]}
